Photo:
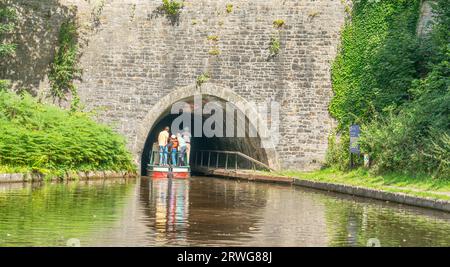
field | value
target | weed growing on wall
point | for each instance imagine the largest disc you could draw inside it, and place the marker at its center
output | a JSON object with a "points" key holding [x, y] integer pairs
{"points": [[214, 51], [203, 78], [172, 8], [274, 46], [278, 23], [64, 69], [213, 38], [229, 8]]}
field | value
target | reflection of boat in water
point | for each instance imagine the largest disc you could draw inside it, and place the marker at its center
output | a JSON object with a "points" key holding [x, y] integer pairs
{"points": [[170, 199], [171, 171]]}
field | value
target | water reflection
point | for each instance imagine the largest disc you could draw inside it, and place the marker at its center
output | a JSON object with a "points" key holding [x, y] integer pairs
{"points": [[50, 214], [206, 212], [169, 200]]}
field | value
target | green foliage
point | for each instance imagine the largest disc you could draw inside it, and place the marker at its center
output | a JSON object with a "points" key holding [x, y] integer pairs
{"points": [[376, 62], [4, 85], [7, 49], [337, 154], [64, 67], [396, 85], [172, 7], [278, 23], [214, 51], [229, 8], [204, 77], [214, 38], [46, 139], [7, 23], [274, 46]]}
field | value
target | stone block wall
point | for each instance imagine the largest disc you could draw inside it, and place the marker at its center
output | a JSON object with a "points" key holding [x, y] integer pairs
{"points": [[133, 56]]}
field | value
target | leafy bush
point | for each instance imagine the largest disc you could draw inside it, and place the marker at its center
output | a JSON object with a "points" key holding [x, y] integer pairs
{"points": [[46, 139], [4, 85], [337, 154]]}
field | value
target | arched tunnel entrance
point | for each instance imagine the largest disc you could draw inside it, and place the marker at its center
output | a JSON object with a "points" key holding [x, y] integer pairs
{"points": [[206, 112]]}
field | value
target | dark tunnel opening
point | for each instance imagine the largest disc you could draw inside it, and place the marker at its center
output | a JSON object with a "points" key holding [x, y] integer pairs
{"points": [[247, 144]]}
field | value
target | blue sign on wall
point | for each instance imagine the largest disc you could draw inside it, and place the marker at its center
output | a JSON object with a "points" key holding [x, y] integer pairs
{"points": [[354, 130], [354, 137]]}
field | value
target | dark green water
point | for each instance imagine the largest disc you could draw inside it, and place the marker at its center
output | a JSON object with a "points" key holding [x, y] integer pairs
{"points": [[206, 211]]}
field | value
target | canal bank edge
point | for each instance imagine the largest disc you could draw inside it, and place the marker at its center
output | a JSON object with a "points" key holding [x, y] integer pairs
{"points": [[34, 177], [401, 198]]}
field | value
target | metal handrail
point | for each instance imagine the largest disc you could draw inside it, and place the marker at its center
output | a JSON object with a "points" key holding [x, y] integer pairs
{"points": [[154, 153], [227, 153]]}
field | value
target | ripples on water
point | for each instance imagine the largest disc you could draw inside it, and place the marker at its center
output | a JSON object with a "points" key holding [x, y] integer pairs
{"points": [[206, 211]]}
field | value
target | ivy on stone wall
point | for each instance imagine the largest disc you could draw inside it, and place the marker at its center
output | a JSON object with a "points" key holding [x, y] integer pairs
{"points": [[7, 19], [7, 23], [64, 68], [395, 84]]}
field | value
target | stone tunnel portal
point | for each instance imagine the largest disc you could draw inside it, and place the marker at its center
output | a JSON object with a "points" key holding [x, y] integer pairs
{"points": [[212, 113]]}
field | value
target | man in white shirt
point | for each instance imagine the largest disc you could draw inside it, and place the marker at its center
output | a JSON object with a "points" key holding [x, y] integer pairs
{"points": [[163, 139], [187, 138]]}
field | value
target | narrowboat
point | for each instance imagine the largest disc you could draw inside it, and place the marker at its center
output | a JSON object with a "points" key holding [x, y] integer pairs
{"points": [[155, 170]]}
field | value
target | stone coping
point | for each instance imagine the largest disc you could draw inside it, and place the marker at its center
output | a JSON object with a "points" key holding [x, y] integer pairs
{"points": [[401, 198], [34, 177]]}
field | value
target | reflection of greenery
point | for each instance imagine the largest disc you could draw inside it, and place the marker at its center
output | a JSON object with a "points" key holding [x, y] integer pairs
{"points": [[49, 215], [353, 224]]}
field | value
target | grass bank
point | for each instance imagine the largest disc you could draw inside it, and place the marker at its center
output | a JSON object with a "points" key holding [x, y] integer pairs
{"points": [[420, 185]]}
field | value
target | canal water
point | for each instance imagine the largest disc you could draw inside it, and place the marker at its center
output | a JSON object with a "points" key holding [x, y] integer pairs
{"points": [[205, 211]]}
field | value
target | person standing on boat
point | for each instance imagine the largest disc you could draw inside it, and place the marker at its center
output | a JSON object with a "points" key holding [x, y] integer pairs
{"points": [[163, 139], [187, 138], [173, 144], [181, 150]]}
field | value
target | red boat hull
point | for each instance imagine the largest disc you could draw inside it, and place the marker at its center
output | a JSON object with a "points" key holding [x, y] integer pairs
{"points": [[157, 172]]}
